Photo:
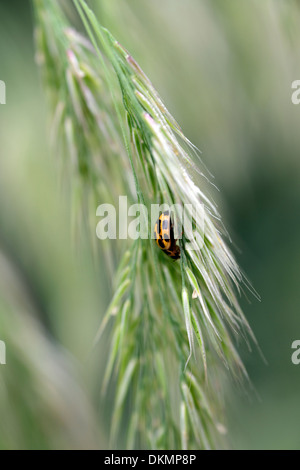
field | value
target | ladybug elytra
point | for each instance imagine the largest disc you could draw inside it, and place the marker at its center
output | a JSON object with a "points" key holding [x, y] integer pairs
{"points": [[164, 236]]}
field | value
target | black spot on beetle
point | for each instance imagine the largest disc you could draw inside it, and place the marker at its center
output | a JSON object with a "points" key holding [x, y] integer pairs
{"points": [[161, 243], [165, 224]]}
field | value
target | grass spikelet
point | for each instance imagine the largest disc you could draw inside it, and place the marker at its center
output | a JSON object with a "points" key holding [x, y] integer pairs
{"points": [[120, 139]]}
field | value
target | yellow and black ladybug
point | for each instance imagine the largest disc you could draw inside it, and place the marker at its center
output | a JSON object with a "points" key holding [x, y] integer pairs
{"points": [[164, 235]]}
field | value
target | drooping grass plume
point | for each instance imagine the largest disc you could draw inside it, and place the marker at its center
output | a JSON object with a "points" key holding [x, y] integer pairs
{"points": [[173, 322]]}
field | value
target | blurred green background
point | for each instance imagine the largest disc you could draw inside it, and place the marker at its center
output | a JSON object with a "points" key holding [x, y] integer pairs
{"points": [[224, 69]]}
